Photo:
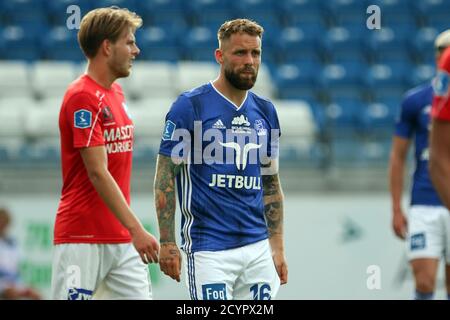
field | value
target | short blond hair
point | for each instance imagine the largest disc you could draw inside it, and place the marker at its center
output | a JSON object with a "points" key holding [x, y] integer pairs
{"points": [[239, 26], [105, 24]]}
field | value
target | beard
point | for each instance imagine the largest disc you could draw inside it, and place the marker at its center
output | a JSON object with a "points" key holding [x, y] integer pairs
{"points": [[238, 81]]}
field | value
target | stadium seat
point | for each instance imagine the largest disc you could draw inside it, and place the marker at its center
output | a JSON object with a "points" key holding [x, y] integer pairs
{"points": [[421, 74], [15, 79], [151, 79], [62, 44], [296, 81], [345, 44], [388, 80], [261, 11], [343, 80], [210, 12], [191, 74], [300, 42], [343, 117], [20, 44], [25, 11], [264, 84], [294, 12], [433, 11], [200, 43], [50, 79], [57, 10], [390, 44], [12, 128], [423, 44], [378, 119], [156, 12], [158, 43], [346, 11]]}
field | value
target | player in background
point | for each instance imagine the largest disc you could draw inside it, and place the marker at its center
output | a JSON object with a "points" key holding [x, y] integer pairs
{"points": [[232, 213], [424, 229], [101, 248]]}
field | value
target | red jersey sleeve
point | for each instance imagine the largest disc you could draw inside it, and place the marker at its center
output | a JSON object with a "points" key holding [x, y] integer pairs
{"points": [[441, 102], [83, 111]]}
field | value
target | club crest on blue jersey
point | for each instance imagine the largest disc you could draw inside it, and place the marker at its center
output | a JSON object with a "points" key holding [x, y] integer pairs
{"points": [[169, 130], [440, 83], [79, 294], [82, 119], [259, 127]]}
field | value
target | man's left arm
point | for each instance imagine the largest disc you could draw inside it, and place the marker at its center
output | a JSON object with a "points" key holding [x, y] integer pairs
{"points": [[273, 211]]}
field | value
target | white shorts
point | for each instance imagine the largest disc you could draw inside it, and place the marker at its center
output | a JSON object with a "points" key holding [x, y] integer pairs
{"points": [[99, 271], [245, 273], [429, 233]]}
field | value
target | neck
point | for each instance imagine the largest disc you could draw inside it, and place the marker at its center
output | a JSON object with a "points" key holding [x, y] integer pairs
{"points": [[224, 87], [100, 73]]}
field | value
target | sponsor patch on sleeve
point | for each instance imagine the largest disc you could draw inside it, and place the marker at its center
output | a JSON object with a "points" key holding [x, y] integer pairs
{"points": [[169, 130], [82, 119], [440, 83]]}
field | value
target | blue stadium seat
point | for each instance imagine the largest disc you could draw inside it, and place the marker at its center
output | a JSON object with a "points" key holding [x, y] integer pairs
{"points": [[346, 11], [25, 11], [389, 44], [199, 44], [57, 10], [423, 44], [345, 44], [305, 11], [211, 11], [300, 42], [343, 80], [262, 11], [343, 117], [62, 44], [20, 44], [421, 74], [129, 4], [296, 81], [158, 43], [388, 79], [433, 11], [378, 118], [162, 11], [396, 12]]}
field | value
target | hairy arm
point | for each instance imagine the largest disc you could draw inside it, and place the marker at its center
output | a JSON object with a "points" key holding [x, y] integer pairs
{"points": [[273, 212], [165, 202], [397, 162], [440, 159]]}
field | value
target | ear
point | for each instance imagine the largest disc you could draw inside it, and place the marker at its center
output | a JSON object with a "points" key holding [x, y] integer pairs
{"points": [[105, 47], [219, 56]]}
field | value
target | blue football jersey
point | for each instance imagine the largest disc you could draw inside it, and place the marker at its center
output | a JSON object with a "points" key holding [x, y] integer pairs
{"points": [[415, 120], [219, 186]]}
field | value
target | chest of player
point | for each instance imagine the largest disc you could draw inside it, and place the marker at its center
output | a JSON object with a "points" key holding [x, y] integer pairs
{"points": [[117, 126]]}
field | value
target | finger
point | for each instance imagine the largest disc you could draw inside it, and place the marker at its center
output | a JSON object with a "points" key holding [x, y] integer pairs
{"points": [[151, 254], [143, 257], [284, 274]]}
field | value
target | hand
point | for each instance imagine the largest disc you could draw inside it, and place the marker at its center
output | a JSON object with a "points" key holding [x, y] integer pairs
{"points": [[281, 266], [399, 224], [277, 247], [146, 245], [170, 260]]}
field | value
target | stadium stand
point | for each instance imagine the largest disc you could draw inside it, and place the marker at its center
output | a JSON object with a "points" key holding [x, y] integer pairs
{"points": [[328, 74]]}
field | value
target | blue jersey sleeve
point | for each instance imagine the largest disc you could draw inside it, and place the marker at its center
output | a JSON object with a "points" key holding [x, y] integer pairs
{"points": [[179, 126], [406, 121]]}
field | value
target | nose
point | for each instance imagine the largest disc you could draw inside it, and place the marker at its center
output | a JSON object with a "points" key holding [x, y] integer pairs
{"points": [[136, 51]]}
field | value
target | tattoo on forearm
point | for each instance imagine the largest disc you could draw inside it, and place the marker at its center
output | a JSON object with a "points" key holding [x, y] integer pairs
{"points": [[165, 201], [273, 204]]}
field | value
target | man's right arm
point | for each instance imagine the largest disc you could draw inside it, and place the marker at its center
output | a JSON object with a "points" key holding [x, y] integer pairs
{"points": [[96, 164], [397, 162], [440, 159], [165, 202]]}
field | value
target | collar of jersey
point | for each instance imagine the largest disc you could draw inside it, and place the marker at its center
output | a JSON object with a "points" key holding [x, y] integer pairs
{"points": [[237, 108]]}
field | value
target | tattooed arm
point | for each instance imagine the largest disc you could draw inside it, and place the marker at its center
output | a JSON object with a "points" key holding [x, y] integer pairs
{"points": [[273, 211], [165, 202]]}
